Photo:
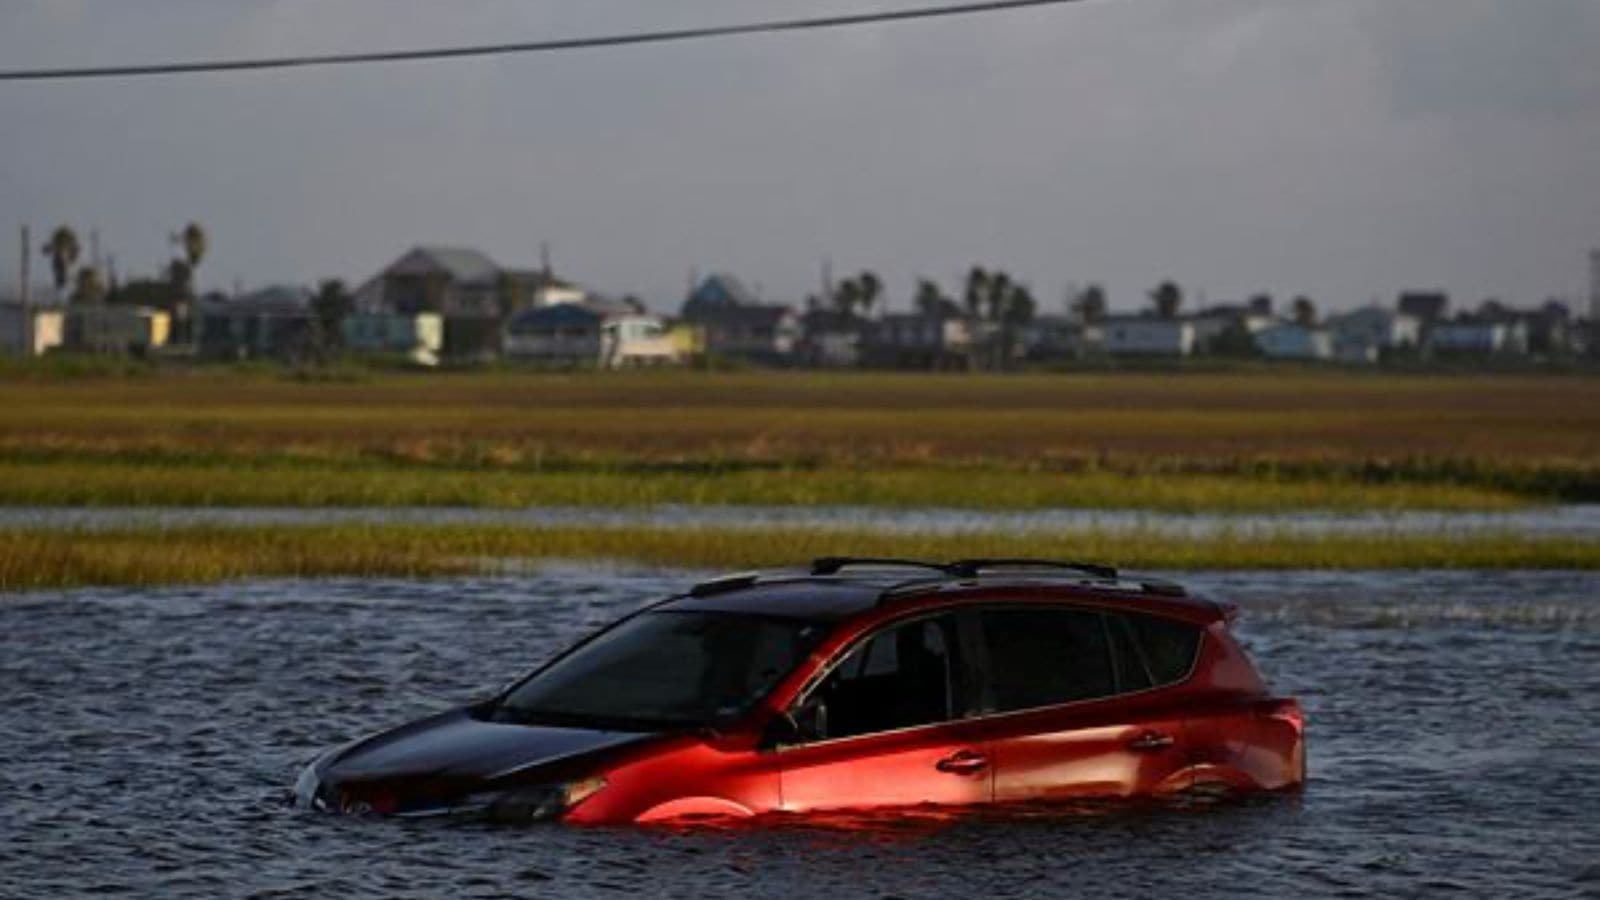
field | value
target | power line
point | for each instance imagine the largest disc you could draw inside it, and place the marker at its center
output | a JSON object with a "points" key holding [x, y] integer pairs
{"points": [[615, 40]]}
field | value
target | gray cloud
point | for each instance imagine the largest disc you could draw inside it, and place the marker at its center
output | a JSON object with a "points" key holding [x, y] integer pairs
{"points": [[1341, 148]]}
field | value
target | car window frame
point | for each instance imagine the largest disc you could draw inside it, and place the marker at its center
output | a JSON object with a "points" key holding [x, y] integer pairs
{"points": [[963, 674]]}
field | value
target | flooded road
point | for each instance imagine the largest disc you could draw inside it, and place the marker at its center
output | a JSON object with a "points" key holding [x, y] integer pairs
{"points": [[147, 737]]}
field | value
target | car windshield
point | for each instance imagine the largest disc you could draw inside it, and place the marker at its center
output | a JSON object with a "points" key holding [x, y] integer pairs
{"points": [[666, 669]]}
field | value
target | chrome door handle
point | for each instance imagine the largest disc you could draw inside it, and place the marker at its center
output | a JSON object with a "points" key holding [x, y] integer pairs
{"points": [[963, 762], [1150, 741]]}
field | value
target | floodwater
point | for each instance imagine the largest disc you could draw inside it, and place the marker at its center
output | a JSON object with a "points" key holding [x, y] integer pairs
{"points": [[1567, 520], [148, 737]]}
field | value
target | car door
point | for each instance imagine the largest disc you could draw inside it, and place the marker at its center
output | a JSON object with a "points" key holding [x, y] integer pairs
{"points": [[886, 726], [1069, 709]]}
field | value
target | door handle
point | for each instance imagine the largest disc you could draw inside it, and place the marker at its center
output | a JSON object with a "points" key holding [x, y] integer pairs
{"points": [[1150, 741], [963, 762]]}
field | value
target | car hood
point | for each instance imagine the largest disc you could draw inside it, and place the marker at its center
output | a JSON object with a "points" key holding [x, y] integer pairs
{"points": [[455, 745]]}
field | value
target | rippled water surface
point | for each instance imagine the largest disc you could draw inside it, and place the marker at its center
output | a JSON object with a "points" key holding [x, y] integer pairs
{"points": [[146, 738], [1569, 520]]}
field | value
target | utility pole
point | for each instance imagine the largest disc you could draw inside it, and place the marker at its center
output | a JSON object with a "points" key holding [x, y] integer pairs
{"points": [[24, 290], [1594, 287], [22, 272], [1594, 303]]}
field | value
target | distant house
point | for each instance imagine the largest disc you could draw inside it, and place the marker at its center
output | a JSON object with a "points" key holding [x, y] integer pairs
{"points": [[31, 331], [115, 328], [275, 322], [1147, 335], [526, 288], [1478, 337], [832, 339], [1426, 307], [1291, 340], [595, 332], [1214, 322], [737, 325], [1364, 335], [1061, 337], [451, 281], [471, 292], [419, 336], [939, 337], [1550, 329]]}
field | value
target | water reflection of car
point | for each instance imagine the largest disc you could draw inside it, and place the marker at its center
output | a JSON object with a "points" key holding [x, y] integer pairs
{"points": [[854, 684]]}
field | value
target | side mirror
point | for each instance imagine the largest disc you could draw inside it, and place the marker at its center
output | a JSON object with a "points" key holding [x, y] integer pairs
{"points": [[807, 723]]}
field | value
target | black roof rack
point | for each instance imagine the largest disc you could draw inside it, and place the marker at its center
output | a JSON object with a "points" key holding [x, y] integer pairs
{"points": [[958, 569], [833, 565], [971, 568], [724, 583]]}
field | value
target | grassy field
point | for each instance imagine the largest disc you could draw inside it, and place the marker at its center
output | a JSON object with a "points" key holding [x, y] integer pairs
{"points": [[36, 559], [1270, 441]]}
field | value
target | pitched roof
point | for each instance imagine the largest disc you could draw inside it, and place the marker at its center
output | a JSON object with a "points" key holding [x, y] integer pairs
{"points": [[720, 290], [462, 264]]}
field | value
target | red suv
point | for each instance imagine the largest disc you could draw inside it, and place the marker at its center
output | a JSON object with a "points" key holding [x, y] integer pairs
{"points": [[857, 683]]}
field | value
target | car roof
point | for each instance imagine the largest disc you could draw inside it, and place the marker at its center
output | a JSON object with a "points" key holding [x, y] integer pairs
{"points": [[840, 594]]}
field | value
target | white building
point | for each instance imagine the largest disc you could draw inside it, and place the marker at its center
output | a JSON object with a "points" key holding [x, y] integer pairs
{"points": [[420, 337], [30, 332], [111, 328], [1291, 340], [1363, 335], [1478, 337], [1212, 323], [595, 332], [1148, 336]]}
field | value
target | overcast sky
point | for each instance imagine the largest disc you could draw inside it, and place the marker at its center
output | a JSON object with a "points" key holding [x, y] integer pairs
{"points": [[1342, 148]]}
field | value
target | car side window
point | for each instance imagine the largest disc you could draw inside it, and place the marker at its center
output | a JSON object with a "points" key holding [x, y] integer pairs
{"points": [[901, 677], [1042, 657], [1168, 648]]}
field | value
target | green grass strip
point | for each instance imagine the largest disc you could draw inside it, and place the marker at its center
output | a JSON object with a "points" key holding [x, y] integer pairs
{"points": [[37, 559]]}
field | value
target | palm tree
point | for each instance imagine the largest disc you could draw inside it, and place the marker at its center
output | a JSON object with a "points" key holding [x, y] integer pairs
{"points": [[1090, 304], [999, 294], [870, 287], [1168, 298], [63, 250], [89, 287], [977, 287], [846, 297], [180, 278], [193, 241], [930, 300], [330, 306], [1305, 312], [1020, 306]]}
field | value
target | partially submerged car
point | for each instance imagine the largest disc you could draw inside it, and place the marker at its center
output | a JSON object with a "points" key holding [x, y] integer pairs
{"points": [[856, 683]]}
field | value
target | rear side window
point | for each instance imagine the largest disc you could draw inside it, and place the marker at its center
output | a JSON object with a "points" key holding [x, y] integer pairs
{"points": [[1041, 657], [1164, 649]]}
